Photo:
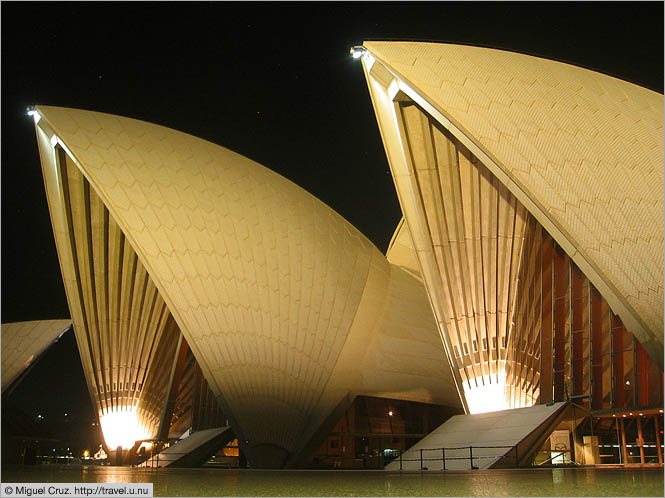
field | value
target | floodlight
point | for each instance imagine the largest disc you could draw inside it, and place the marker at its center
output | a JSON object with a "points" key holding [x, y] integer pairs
{"points": [[357, 52], [32, 112]]}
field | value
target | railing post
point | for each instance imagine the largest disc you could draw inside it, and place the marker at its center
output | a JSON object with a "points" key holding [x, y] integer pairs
{"points": [[443, 457], [471, 456], [421, 459], [517, 461], [400, 459]]}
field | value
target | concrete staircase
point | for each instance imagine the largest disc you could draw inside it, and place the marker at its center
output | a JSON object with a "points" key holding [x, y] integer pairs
{"points": [[498, 439], [193, 451]]}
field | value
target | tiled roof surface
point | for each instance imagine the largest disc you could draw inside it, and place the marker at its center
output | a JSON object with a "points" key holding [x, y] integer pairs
{"points": [[277, 295], [586, 147], [263, 279]]}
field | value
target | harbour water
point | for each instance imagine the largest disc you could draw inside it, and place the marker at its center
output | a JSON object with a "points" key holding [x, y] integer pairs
{"points": [[226, 482]]}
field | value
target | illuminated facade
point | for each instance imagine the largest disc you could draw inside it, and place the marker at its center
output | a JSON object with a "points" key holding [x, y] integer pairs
{"points": [[533, 195], [289, 311], [196, 276]]}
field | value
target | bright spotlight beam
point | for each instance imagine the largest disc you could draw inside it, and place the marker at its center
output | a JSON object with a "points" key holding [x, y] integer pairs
{"points": [[121, 427], [487, 397]]}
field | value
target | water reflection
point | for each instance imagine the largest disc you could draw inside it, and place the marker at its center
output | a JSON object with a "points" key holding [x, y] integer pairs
{"points": [[590, 477], [557, 476], [217, 482]]}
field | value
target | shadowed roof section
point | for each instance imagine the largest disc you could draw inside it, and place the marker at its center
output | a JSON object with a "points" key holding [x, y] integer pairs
{"points": [[582, 150], [23, 342]]}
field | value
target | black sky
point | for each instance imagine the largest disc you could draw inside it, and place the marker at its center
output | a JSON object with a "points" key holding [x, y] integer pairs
{"points": [[273, 82]]}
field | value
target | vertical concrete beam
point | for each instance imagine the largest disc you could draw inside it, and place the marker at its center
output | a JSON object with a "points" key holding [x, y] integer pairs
{"points": [[561, 324], [547, 320], [177, 369], [596, 350]]}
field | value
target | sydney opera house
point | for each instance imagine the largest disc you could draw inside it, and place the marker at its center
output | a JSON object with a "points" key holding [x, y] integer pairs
{"points": [[207, 291]]}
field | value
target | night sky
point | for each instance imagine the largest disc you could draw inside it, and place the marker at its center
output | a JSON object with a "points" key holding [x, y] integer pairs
{"points": [[273, 82]]}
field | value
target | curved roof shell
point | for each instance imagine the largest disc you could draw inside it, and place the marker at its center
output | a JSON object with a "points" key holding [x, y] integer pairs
{"points": [[276, 294], [583, 152]]}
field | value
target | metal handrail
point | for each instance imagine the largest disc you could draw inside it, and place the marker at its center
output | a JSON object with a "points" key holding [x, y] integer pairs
{"points": [[552, 457], [455, 448], [154, 460], [151, 461], [444, 458]]}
